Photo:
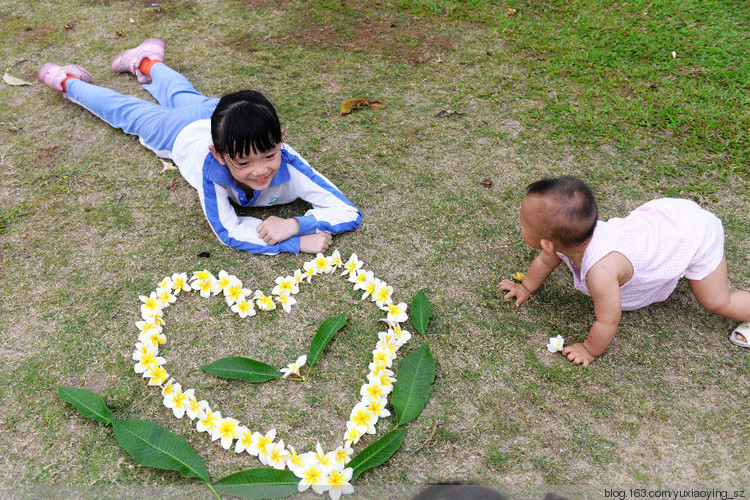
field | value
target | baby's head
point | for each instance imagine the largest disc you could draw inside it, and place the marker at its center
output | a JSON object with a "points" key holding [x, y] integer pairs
{"points": [[247, 136], [561, 210]]}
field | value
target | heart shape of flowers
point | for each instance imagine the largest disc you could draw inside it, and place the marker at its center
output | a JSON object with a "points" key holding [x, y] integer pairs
{"points": [[321, 470]]}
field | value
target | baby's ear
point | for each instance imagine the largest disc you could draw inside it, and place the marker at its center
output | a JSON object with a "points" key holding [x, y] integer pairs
{"points": [[547, 246], [218, 157]]}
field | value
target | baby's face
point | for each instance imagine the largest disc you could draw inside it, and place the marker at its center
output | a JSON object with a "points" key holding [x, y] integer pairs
{"points": [[532, 207], [255, 170]]}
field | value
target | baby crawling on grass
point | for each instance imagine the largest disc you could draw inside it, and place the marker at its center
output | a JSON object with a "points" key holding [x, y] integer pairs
{"points": [[625, 264]]}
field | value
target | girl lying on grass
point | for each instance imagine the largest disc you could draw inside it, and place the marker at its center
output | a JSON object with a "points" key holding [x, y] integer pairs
{"points": [[230, 150], [625, 264]]}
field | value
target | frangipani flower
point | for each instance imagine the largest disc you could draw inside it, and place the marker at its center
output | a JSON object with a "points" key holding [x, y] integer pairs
{"points": [[360, 278], [178, 400], [352, 265], [363, 418], [201, 276], [387, 345], [234, 292], [259, 444], [286, 284], [338, 483], [206, 287], [244, 439], [195, 408], [396, 312], [224, 280], [244, 308], [382, 293], [165, 296], [208, 420], [320, 457], [313, 475], [293, 368], [180, 283], [228, 429], [168, 388], [342, 455], [322, 265], [335, 260], [295, 461], [147, 359], [352, 434], [150, 304], [156, 317], [298, 277], [383, 358], [153, 337], [555, 344], [156, 375], [277, 455], [382, 377], [286, 301], [377, 406], [375, 390], [402, 336], [309, 268], [264, 302], [166, 283]]}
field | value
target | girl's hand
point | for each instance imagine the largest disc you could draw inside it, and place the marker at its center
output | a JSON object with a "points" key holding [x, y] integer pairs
{"points": [[275, 229], [517, 290], [315, 243]]}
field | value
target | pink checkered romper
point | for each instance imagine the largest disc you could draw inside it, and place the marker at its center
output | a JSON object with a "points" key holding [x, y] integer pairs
{"points": [[664, 240]]}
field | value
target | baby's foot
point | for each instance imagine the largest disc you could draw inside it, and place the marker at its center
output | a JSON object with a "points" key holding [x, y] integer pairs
{"points": [[740, 335]]}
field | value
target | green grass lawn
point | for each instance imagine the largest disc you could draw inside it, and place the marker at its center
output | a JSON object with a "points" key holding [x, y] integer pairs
{"points": [[641, 99]]}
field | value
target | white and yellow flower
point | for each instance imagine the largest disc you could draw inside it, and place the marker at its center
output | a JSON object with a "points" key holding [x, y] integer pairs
{"points": [[396, 312], [363, 418], [178, 400], [208, 420], [263, 301], [244, 308], [352, 434], [195, 408], [180, 283], [295, 461], [165, 296], [277, 455], [309, 270], [244, 440], [147, 358], [286, 301], [227, 429], [224, 280], [259, 445], [293, 368], [286, 284], [151, 304], [556, 344], [322, 264], [206, 287], [234, 292], [202, 276], [156, 375], [338, 483], [375, 389], [311, 475], [166, 283], [377, 406], [342, 456], [352, 265], [335, 260], [382, 293]]}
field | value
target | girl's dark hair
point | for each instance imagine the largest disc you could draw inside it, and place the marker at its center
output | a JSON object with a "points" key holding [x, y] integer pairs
{"points": [[244, 122], [573, 207]]}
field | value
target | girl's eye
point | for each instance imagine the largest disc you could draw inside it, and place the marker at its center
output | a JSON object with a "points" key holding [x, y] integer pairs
{"points": [[271, 156]]}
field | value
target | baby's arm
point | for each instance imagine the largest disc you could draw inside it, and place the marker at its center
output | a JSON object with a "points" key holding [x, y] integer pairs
{"points": [[540, 269], [603, 281]]}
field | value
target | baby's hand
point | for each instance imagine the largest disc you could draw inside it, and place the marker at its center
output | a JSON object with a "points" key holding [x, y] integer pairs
{"points": [[578, 355], [275, 229], [315, 243], [516, 290]]}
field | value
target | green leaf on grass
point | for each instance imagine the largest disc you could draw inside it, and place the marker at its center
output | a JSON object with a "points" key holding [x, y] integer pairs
{"points": [[237, 367], [377, 453], [259, 483], [90, 404], [420, 311], [325, 333], [154, 446], [412, 389]]}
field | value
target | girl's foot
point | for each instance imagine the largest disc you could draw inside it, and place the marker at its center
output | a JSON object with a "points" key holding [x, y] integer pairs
{"points": [[54, 76], [741, 335], [130, 60]]}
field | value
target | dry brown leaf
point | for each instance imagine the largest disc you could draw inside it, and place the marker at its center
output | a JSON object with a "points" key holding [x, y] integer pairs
{"points": [[12, 80], [486, 183], [358, 102]]}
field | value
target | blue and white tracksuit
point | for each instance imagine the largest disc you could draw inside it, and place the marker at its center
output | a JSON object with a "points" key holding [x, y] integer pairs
{"points": [[179, 128]]}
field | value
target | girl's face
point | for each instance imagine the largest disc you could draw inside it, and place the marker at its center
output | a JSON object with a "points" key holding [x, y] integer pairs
{"points": [[255, 170]]}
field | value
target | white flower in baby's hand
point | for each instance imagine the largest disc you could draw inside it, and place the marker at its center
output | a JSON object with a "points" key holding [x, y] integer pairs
{"points": [[293, 368], [555, 344]]}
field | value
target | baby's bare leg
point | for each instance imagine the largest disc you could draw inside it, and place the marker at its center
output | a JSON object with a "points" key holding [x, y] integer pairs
{"points": [[713, 294]]}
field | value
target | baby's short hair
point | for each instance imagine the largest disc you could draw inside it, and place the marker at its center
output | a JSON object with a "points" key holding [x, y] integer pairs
{"points": [[573, 210], [244, 122]]}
